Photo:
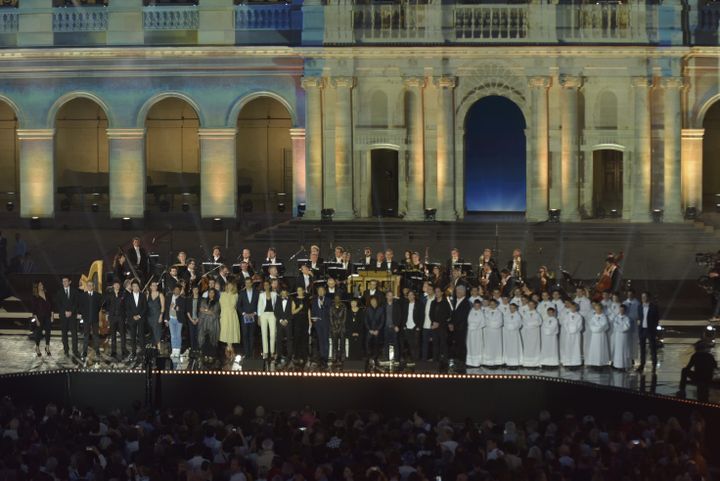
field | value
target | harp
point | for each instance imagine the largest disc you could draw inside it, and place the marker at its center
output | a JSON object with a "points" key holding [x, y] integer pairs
{"points": [[95, 275]]}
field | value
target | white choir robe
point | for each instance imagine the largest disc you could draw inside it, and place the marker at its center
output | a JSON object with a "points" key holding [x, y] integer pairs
{"points": [[599, 351], [571, 339], [631, 310], [543, 306], [586, 311], [476, 326], [622, 337], [530, 335], [612, 312], [493, 338], [512, 343], [549, 352], [504, 309]]}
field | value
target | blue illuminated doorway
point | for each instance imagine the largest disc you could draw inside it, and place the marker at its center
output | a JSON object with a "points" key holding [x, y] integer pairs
{"points": [[495, 162]]}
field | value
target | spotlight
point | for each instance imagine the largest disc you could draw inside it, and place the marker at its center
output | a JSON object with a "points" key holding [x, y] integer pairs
{"points": [[10, 206], [327, 214], [614, 213], [717, 207], [95, 207], [126, 223], [301, 209], [217, 224], [185, 207], [35, 223], [281, 207], [691, 213], [65, 204], [430, 214], [660, 335], [657, 215], [710, 333], [554, 216]]}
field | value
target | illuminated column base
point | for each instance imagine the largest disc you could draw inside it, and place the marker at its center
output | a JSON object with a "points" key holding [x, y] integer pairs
{"points": [[298, 170], [218, 175], [126, 163], [37, 182], [691, 154]]}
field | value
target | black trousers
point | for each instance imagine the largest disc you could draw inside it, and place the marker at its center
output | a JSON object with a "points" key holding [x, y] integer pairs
{"points": [[94, 329], [459, 345], [42, 326], [703, 385], [284, 335], [441, 343], [300, 338], [117, 326], [69, 325], [374, 346], [408, 342], [338, 346], [137, 334], [647, 336]]}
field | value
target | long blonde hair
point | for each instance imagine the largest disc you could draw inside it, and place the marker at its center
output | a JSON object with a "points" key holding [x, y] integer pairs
{"points": [[230, 287]]}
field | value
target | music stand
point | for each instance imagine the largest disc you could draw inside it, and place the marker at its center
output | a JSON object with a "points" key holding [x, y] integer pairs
{"points": [[280, 268], [208, 266]]}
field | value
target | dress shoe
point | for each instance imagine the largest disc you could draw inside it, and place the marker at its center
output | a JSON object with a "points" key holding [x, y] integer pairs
{"points": [[37, 351], [47, 351], [67, 353]]}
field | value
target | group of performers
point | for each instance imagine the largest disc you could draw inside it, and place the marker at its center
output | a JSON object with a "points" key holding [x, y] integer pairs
{"points": [[309, 310]]}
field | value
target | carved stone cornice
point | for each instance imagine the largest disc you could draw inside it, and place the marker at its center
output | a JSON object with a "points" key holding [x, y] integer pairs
{"points": [[672, 82], [641, 82], [342, 82], [540, 81], [446, 82], [414, 82], [571, 81], [312, 83]]}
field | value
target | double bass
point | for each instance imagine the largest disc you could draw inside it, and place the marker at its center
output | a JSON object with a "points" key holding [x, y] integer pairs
{"points": [[605, 280]]}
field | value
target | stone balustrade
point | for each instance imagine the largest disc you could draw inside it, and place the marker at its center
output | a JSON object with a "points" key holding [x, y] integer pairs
{"points": [[171, 17], [73, 19]]}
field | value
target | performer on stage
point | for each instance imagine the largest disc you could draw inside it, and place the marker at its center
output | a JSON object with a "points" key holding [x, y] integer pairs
{"points": [[139, 259], [454, 259], [493, 335], [649, 319], [66, 305], [209, 325], [571, 326], [622, 340], [246, 257], [114, 306], [338, 318], [354, 329], [549, 351], [300, 324], [512, 342], [247, 307], [42, 317], [374, 327], [410, 325], [284, 336], [530, 334], [367, 256], [155, 313], [121, 270], [320, 317], [175, 314], [517, 266], [458, 325], [229, 322], [599, 352], [216, 256], [440, 313], [90, 303], [476, 326]]}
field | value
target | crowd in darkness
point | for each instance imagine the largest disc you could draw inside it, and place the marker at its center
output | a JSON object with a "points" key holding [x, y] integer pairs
{"points": [[303, 445]]}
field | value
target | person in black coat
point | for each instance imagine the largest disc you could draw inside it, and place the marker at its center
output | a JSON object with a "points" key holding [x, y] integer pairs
{"points": [[138, 258], [440, 313], [355, 330], [247, 307], [374, 326], [648, 320], [458, 325], [410, 327], [283, 315], [135, 314], [66, 305], [90, 304], [320, 317], [114, 306]]}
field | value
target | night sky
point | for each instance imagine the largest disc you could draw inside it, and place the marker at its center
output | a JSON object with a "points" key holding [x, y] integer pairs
{"points": [[495, 156]]}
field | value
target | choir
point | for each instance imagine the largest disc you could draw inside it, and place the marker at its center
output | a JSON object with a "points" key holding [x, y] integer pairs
{"points": [[426, 311]]}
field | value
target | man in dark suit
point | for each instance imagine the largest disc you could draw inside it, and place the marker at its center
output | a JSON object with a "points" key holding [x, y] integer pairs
{"points": [[247, 307], [409, 328], [507, 283], [283, 314], [517, 266], [66, 306], [90, 304], [305, 279], [648, 320], [114, 306], [320, 317], [440, 314], [454, 259], [458, 325], [135, 312], [138, 258], [393, 316], [390, 264]]}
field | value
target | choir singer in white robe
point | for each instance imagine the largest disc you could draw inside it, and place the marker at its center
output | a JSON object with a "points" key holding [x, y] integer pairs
{"points": [[549, 353], [493, 335], [621, 340], [599, 350], [512, 343], [571, 330], [530, 335], [476, 326]]}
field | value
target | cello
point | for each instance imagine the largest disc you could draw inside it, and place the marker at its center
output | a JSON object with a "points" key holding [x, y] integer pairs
{"points": [[605, 280]]}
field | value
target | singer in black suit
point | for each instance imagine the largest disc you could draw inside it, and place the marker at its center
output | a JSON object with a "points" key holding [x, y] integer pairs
{"points": [[138, 258], [283, 315], [66, 306], [90, 304], [648, 320], [135, 312], [114, 305], [410, 325], [247, 307], [440, 313], [458, 325]]}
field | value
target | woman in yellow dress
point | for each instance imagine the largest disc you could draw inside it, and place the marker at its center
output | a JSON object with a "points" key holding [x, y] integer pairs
{"points": [[229, 321]]}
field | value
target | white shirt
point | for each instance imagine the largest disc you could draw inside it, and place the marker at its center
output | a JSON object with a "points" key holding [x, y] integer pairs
{"points": [[410, 322], [173, 306], [136, 296], [427, 323], [137, 251], [646, 308]]}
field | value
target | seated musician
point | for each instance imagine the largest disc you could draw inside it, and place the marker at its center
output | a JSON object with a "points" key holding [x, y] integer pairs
{"points": [[415, 262], [339, 252], [367, 256], [245, 257], [121, 270], [315, 254], [456, 278], [517, 265], [390, 264], [216, 256], [487, 258], [507, 283], [244, 271], [315, 263], [347, 262], [272, 257], [191, 274], [171, 280], [222, 278], [541, 283], [488, 277], [454, 259], [138, 257], [379, 263]]}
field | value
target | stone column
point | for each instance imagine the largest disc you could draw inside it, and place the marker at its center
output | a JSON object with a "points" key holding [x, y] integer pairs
{"points": [[313, 145], [538, 173], [35, 23], [126, 165], [125, 23], [445, 151], [692, 158], [642, 161], [37, 172], [671, 151], [218, 173], [217, 22], [297, 136], [416, 163], [569, 148], [343, 148]]}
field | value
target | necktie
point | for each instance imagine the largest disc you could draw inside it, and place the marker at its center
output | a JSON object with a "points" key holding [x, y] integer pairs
{"points": [[67, 293]]}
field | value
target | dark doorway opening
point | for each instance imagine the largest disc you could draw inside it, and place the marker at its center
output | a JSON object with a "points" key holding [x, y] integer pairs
{"points": [[607, 181], [384, 181]]}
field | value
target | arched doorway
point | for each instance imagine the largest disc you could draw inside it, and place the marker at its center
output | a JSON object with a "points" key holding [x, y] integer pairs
{"points": [[711, 157], [264, 156], [384, 193], [495, 165], [172, 154], [9, 166], [607, 182], [81, 155]]}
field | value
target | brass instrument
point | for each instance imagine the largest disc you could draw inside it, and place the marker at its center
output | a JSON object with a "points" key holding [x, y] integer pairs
{"points": [[358, 283], [95, 275]]}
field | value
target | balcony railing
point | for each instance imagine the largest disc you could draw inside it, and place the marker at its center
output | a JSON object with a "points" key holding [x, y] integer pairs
{"points": [[271, 16], [8, 21], [75, 19], [599, 21], [491, 22], [171, 18]]}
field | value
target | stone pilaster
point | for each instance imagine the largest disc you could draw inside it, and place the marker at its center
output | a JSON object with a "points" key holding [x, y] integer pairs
{"points": [[537, 201], [692, 157], [313, 145], [297, 136], [37, 172], [126, 164], [642, 162], [569, 148], [672, 86], [445, 150], [416, 164], [218, 172], [343, 147]]}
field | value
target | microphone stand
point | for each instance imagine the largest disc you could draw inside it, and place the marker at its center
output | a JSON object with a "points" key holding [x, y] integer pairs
{"points": [[302, 249]]}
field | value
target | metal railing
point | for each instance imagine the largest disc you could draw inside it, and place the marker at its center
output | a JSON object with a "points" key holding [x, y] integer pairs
{"points": [[74, 19], [169, 17], [270, 16]]}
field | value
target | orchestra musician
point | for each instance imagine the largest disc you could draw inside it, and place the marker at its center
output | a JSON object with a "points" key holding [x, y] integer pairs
{"points": [[339, 252], [305, 279], [517, 266], [138, 257], [222, 278], [121, 269], [390, 265], [272, 257], [487, 258], [489, 279], [454, 259], [507, 283], [246, 257], [315, 263], [182, 261], [379, 263], [245, 272], [190, 274], [171, 280], [367, 256], [216, 256]]}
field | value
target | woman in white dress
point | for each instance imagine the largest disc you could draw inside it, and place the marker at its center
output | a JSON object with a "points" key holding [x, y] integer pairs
{"points": [[621, 341], [571, 331], [512, 343], [493, 335], [476, 325], [530, 335], [599, 351], [549, 353]]}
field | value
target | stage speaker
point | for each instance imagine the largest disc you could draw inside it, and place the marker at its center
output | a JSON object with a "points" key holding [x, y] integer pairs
{"points": [[354, 366], [258, 365]]}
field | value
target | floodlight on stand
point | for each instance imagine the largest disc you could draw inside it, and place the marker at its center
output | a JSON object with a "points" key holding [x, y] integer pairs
{"points": [[327, 214], [9, 206], [95, 207], [217, 224], [301, 209], [554, 216], [35, 223], [126, 223], [281, 207], [430, 214], [691, 213], [614, 213], [657, 215], [185, 207], [710, 333]]}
